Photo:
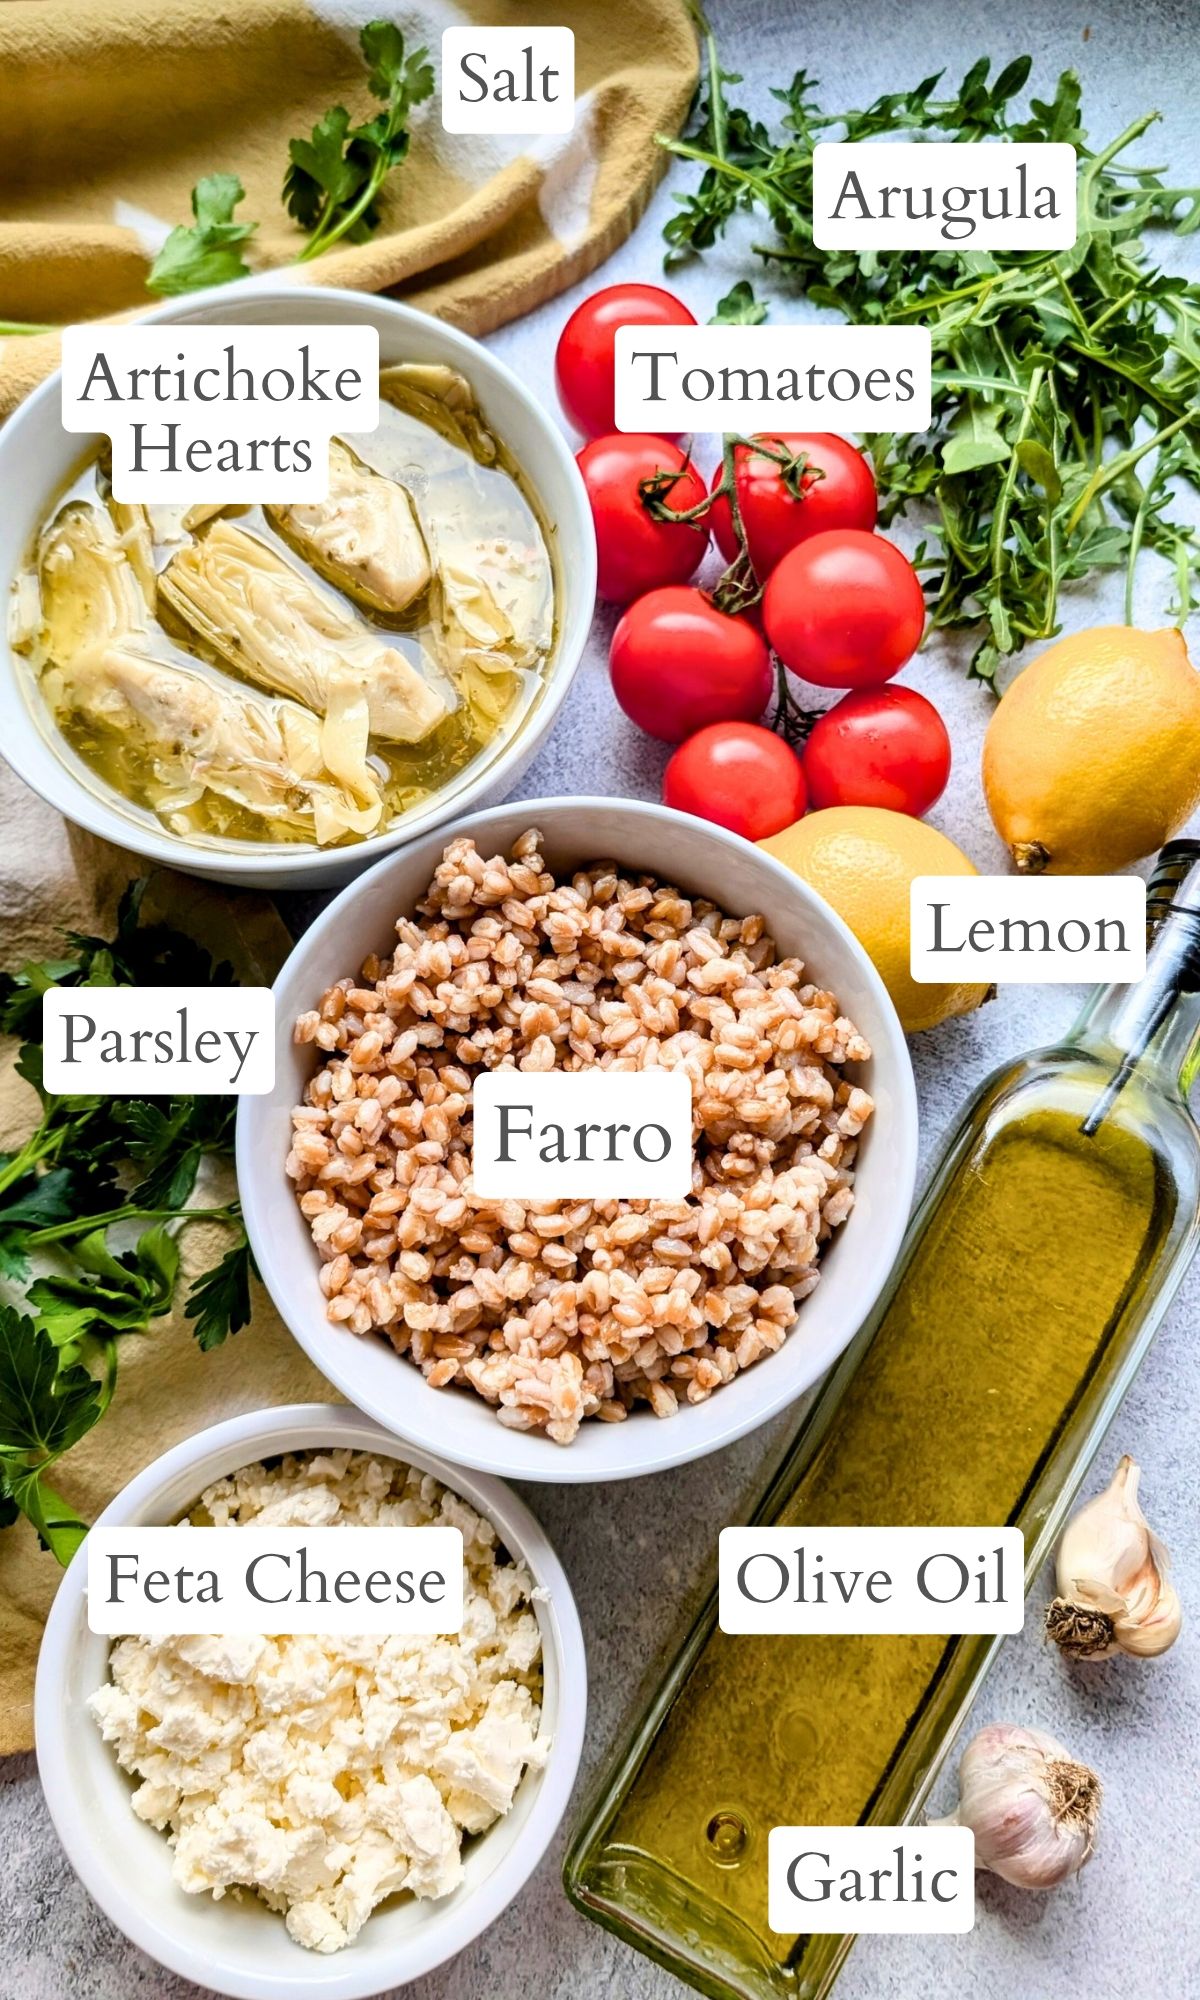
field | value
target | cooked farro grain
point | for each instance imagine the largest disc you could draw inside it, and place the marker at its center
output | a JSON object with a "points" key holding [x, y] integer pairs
{"points": [[556, 1311]]}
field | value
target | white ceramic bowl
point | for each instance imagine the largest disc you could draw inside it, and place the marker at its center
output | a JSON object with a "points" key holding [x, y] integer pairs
{"points": [[37, 458], [238, 1946], [702, 859]]}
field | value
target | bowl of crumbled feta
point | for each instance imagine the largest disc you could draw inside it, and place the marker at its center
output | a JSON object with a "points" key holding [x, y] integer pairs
{"points": [[273, 1816]]}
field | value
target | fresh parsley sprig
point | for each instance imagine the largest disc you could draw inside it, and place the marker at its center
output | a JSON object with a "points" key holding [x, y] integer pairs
{"points": [[1066, 385], [333, 181], [45, 1408], [92, 1175], [210, 252]]}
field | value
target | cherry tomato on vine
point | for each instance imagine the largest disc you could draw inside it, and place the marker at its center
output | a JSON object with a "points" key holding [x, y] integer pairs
{"points": [[884, 746], [635, 551], [739, 775], [584, 359], [844, 609], [782, 506], [678, 663]]}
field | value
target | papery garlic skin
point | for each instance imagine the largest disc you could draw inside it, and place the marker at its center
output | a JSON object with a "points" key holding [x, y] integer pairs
{"points": [[1114, 1594], [1032, 1808]]}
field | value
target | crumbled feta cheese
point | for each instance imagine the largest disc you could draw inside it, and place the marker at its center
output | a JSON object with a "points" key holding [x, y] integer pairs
{"points": [[329, 1772]]}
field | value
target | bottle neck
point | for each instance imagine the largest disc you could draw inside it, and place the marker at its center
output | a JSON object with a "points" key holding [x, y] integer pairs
{"points": [[1151, 1016]]}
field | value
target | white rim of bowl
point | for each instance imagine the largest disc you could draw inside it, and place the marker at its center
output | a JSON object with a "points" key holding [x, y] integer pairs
{"points": [[263, 1432], [560, 1471], [58, 785]]}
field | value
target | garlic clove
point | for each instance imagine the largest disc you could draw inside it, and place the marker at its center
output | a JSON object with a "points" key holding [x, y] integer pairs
{"points": [[1032, 1807], [1114, 1595], [1154, 1631]]}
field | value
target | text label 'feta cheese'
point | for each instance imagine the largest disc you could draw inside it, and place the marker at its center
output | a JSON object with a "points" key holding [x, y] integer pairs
{"points": [[902, 195], [508, 80], [242, 1580], [830, 1879], [199, 413], [602, 1134], [750, 378], [1027, 929], [871, 1580], [152, 1041]]}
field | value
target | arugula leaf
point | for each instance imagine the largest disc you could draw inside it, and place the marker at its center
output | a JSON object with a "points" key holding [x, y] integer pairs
{"points": [[975, 439], [335, 175], [219, 1301], [209, 253], [739, 307]]}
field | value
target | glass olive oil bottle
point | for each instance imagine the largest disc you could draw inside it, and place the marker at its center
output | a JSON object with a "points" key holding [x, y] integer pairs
{"points": [[1034, 1273]]}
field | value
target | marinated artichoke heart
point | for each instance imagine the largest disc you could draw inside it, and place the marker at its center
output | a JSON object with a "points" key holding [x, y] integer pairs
{"points": [[440, 396], [365, 537], [493, 603], [255, 611], [143, 528], [275, 759], [429, 378]]}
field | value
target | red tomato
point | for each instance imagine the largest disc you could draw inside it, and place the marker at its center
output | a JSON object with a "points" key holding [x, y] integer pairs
{"points": [[740, 775], [678, 664], [635, 552], [844, 609], [879, 747], [583, 361], [838, 491]]}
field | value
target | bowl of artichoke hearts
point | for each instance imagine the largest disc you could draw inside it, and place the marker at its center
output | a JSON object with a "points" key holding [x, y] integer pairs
{"points": [[276, 695]]}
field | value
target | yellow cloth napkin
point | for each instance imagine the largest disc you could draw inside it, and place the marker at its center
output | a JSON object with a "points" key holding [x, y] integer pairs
{"points": [[57, 878], [111, 114]]}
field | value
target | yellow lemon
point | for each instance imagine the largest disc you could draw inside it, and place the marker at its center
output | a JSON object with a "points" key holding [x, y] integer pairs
{"points": [[862, 861], [1092, 759]]}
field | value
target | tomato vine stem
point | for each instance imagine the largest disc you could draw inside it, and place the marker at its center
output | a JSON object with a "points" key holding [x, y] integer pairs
{"points": [[739, 589]]}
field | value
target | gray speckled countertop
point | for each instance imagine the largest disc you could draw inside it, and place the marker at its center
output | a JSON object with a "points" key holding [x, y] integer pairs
{"points": [[637, 1553]]}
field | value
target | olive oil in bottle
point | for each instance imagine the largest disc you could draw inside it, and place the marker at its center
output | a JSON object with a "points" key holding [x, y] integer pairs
{"points": [[1056, 1228]]}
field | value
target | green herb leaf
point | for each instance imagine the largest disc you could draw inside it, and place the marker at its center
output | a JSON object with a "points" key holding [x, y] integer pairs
{"points": [[59, 1527], [169, 1140], [739, 307], [21, 994], [210, 252], [1034, 459], [320, 174], [976, 441], [116, 1294], [32, 1204], [219, 1301], [44, 1409], [334, 176]]}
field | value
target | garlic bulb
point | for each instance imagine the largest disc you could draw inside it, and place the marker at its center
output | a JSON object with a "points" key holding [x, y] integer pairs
{"points": [[1113, 1591], [1031, 1807]]}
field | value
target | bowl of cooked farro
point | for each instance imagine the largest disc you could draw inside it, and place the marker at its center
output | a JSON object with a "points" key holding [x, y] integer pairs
{"points": [[575, 1339]]}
